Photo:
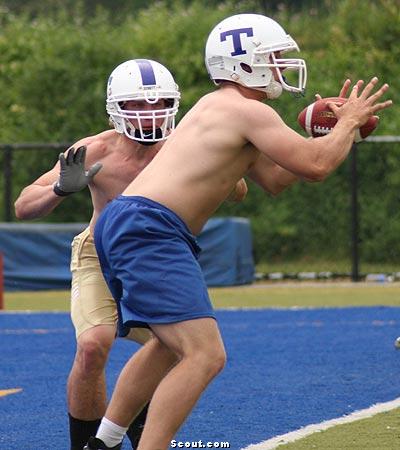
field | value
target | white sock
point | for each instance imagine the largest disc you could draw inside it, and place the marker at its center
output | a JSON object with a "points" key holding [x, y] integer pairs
{"points": [[110, 433]]}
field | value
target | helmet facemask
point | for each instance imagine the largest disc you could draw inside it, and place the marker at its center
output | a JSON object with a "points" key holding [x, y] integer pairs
{"points": [[145, 125], [247, 49], [265, 56], [145, 82]]}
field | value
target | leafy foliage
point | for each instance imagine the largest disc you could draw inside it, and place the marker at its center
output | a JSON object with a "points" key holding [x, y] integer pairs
{"points": [[55, 64]]}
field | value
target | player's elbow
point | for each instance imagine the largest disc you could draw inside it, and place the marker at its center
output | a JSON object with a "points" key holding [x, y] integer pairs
{"points": [[317, 173], [22, 211], [19, 211], [284, 180], [274, 190]]}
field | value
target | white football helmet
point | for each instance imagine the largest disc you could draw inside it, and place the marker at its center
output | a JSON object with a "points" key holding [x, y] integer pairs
{"points": [[147, 81], [246, 47]]}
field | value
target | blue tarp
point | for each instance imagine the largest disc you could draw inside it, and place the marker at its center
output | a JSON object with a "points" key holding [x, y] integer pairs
{"points": [[36, 256]]}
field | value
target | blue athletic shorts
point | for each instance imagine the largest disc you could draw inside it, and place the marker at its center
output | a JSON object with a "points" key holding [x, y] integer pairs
{"points": [[149, 260]]}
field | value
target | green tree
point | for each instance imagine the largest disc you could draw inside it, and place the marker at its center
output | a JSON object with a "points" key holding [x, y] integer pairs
{"points": [[55, 64]]}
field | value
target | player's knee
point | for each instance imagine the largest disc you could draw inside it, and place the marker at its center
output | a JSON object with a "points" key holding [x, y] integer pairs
{"points": [[212, 360], [218, 361], [92, 355]]}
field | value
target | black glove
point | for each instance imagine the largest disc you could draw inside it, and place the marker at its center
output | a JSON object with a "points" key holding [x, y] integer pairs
{"points": [[73, 176]]}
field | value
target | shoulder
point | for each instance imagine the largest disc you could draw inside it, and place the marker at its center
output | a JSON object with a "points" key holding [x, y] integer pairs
{"points": [[260, 114], [224, 101], [98, 145], [239, 99]]}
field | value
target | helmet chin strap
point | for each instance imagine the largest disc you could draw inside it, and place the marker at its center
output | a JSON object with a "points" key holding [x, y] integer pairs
{"points": [[273, 90], [147, 139]]}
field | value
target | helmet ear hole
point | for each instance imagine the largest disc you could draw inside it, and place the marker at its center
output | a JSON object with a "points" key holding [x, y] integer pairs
{"points": [[244, 48], [246, 67]]}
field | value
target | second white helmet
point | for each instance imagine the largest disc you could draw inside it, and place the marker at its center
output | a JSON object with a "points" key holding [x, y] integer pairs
{"points": [[246, 47], [148, 81]]}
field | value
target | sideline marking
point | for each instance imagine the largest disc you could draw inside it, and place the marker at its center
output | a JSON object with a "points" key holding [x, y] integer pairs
{"points": [[5, 392], [287, 438], [34, 331]]}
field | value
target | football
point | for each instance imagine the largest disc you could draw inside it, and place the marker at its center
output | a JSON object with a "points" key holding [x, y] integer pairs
{"points": [[318, 120]]}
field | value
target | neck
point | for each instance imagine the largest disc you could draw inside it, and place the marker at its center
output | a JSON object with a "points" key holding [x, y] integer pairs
{"points": [[139, 150], [245, 91]]}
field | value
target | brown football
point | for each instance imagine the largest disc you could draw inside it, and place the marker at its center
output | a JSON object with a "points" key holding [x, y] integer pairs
{"points": [[318, 119]]}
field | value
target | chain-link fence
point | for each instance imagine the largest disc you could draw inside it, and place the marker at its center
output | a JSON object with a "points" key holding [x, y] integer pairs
{"points": [[347, 226]]}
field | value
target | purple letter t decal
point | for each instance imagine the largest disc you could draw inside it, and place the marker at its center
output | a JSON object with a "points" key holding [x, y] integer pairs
{"points": [[237, 45]]}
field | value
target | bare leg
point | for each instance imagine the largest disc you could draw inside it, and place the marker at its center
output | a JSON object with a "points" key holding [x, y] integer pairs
{"points": [[201, 356], [86, 387], [138, 380]]}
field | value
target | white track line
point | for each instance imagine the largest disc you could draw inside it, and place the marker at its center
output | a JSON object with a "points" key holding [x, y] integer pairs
{"points": [[315, 428]]}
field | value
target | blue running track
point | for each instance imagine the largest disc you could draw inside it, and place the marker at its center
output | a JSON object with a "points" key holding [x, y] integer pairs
{"points": [[286, 369]]}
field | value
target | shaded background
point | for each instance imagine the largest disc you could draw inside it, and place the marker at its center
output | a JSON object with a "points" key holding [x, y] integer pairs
{"points": [[56, 57]]}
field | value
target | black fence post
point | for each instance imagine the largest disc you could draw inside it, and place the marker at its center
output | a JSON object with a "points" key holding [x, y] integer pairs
{"points": [[8, 216], [354, 214]]}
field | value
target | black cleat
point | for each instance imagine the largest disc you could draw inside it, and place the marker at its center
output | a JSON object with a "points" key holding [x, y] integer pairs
{"points": [[135, 430], [97, 444]]}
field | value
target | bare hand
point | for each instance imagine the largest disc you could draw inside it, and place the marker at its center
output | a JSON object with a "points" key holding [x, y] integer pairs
{"points": [[361, 105], [344, 90], [239, 192]]}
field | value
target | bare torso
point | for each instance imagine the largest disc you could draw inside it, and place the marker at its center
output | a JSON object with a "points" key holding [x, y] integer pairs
{"points": [[200, 163], [226, 135], [122, 160]]}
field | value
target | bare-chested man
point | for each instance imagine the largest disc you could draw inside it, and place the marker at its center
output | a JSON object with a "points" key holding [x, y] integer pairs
{"points": [[142, 101], [145, 238]]}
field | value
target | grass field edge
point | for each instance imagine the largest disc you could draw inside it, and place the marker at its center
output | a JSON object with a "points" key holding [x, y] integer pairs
{"points": [[303, 432]]}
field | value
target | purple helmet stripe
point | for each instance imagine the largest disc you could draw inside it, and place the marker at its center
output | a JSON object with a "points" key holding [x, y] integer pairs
{"points": [[147, 72]]}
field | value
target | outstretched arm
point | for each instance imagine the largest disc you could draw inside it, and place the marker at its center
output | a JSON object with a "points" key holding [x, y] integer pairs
{"points": [[38, 199], [314, 159], [270, 176], [66, 177], [274, 178]]}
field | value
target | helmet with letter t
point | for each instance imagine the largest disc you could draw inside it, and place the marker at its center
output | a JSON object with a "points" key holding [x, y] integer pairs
{"points": [[248, 48], [142, 100]]}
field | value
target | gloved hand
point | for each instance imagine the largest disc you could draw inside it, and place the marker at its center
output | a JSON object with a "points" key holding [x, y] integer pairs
{"points": [[73, 176]]}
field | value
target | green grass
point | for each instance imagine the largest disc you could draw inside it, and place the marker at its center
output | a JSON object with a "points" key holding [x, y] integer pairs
{"points": [[380, 432], [316, 265], [258, 295], [37, 301], [304, 295]]}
